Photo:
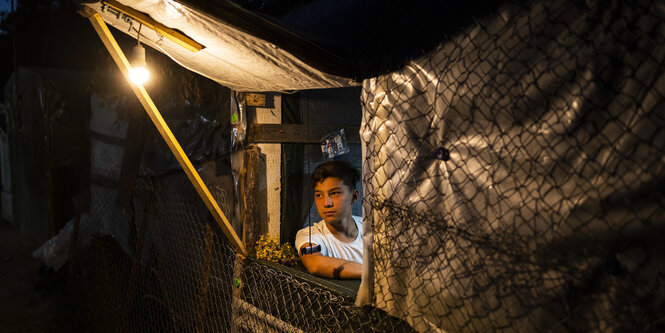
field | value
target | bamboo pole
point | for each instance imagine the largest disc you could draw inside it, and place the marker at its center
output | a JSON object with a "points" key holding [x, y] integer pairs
{"points": [[194, 177]]}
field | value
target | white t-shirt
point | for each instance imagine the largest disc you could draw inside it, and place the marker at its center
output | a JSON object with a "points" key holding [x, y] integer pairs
{"points": [[330, 245]]}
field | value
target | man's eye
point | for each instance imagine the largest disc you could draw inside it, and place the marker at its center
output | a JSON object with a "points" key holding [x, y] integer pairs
{"points": [[334, 193]]}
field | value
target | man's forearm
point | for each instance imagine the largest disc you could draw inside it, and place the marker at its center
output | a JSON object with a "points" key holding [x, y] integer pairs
{"points": [[329, 267]]}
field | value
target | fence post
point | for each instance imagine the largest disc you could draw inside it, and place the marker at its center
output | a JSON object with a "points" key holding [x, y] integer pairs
{"points": [[249, 208]]}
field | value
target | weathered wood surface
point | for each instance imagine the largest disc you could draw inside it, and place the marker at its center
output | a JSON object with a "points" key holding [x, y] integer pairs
{"points": [[296, 133], [249, 194]]}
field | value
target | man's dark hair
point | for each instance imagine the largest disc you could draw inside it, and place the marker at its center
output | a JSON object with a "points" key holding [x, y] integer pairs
{"points": [[338, 169]]}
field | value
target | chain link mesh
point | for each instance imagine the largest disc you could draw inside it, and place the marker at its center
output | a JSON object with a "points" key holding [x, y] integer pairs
{"points": [[513, 178], [181, 274]]}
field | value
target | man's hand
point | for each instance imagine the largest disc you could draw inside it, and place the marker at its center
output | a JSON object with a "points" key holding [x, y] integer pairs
{"points": [[329, 267]]}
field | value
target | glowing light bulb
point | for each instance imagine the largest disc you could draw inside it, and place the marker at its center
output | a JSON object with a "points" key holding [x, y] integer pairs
{"points": [[139, 73]]}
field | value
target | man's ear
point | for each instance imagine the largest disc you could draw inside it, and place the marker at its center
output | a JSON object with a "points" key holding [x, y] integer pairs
{"points": [[356, 195]]}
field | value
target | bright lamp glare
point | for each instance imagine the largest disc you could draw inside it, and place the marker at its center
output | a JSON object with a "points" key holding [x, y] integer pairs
{"points": [[139, 74]]}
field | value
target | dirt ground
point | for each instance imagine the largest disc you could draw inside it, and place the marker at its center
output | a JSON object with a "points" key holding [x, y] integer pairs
{"points": [[29, 297]]}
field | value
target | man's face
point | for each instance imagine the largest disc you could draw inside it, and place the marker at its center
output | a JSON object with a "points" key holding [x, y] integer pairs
{"points": [[333, 199]]}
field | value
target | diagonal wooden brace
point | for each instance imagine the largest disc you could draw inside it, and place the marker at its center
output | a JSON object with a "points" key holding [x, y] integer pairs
{"points": [[151, 109]]}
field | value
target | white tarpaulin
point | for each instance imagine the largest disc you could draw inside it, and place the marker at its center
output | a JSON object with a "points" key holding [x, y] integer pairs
{"points": [[513, 178], [231, 57]]}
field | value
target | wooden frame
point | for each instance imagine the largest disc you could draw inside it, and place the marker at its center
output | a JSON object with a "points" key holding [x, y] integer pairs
{"points": [[150, 108], [295, 133]]}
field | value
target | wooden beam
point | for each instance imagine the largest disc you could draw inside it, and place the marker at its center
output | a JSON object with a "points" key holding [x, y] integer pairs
{"points": [[163, 128], [249, 201], [159, 28], [296, 133]]}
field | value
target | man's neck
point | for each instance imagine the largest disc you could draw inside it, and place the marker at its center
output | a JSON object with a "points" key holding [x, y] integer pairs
{"points": [[345, 230]]}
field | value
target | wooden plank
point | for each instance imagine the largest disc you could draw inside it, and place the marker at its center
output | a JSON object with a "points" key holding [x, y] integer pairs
{"points": [[161, 29], [251, 217], [296, 133], [165, 131]]}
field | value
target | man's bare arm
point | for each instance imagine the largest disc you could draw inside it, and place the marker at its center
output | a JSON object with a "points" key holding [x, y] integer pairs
{"points": [[329, 267]]}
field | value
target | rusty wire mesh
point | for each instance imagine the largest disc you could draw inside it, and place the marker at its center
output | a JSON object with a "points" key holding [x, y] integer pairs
{"points": [[513, 178]]}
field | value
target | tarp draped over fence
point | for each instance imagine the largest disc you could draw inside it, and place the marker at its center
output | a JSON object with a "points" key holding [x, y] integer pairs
{"points": [[513, 178]]}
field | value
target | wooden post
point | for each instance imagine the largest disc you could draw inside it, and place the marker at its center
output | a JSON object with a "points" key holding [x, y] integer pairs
{"points": [[249, 188], [194, 177]]}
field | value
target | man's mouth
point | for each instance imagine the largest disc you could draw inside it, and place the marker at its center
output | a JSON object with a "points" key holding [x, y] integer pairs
{"points": [[328, 213]]}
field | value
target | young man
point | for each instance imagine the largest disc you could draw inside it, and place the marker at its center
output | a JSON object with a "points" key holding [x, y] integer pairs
{"points": [[339, 234]]}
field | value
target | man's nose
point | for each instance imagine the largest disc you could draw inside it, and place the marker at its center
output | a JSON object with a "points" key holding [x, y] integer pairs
{"points": [[328, 201]]}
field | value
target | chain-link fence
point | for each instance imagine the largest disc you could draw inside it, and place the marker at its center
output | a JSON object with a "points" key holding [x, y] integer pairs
{"points": [[514, 176], [167, 267]]}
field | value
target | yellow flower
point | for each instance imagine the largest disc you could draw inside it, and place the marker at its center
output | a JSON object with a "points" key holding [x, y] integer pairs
{"points": [[269, 249]]}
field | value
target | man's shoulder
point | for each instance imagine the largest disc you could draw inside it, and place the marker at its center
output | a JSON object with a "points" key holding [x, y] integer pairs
{"points": [[317, 236], [316, 229]]}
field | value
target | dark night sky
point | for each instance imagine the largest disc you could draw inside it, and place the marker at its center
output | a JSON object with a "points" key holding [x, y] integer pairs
{"points": [[5, 5]]}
